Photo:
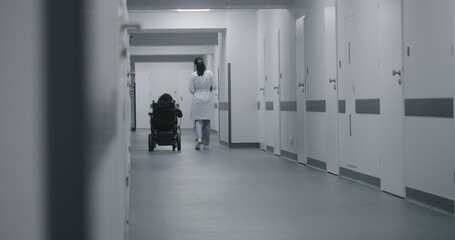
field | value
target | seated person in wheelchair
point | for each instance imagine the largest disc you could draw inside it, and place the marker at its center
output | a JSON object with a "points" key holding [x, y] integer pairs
{"points": [[165, 99]]}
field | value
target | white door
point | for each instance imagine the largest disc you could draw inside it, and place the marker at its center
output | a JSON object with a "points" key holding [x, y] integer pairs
{"points": [[276, 76], [184, 99], [142, 100], [453, 76], [261, 97], [272, 91], [346, 96], [392, 102], [331, 89], [301, 108], [269, 95]]}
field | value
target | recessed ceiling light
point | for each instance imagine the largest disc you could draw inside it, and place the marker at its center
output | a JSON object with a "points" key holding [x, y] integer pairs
{"points": [[193, 10]]}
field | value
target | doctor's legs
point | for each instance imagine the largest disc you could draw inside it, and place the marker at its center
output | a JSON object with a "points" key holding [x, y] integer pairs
{"points": [[202, 133]]}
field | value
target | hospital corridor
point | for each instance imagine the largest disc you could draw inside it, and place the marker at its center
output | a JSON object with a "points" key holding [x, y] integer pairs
{"points": [[213, 120]]}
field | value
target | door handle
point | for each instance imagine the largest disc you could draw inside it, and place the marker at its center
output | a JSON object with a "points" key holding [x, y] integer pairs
{"points": [[350, 125], [301, 85], [276, 88], [261, 89], [396, 72], [332, 80]]}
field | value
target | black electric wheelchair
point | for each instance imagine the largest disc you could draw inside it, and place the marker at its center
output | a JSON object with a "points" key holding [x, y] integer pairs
{"points": [[165, 130]]}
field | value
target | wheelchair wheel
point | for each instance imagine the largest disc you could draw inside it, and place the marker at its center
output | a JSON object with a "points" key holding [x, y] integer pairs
{"points": [[179, 143], [151, 143]]}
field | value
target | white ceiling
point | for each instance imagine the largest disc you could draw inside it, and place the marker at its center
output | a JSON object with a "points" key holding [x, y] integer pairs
{"points": [[211, 4]]}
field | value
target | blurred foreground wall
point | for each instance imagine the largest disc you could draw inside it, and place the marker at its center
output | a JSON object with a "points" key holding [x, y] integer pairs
{"points": [[64, 120]]}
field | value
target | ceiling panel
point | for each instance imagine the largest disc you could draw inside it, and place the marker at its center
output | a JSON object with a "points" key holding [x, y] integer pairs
{"points": [[211, 4]]}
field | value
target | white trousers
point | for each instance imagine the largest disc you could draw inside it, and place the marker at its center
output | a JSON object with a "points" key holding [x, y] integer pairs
{"points": [[202, 128]]}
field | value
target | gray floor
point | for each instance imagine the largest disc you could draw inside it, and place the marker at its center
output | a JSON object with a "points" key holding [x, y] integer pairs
{"points": [[248, 194]]}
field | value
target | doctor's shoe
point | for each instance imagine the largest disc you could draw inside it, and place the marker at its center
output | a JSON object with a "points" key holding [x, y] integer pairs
{"points": [[198, 145], [206, 147]]}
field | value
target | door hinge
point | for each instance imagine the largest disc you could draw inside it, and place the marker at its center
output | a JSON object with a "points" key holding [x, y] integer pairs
{"points": [[380, 160], [127, 181], [454, 176], [452, 50]]}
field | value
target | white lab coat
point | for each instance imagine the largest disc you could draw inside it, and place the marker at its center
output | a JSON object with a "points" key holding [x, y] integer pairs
{"points": [[202, 104]]}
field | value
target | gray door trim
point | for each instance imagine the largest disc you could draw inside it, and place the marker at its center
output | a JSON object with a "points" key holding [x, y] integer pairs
{"points": [[288, 106], [269, 106], [315, 106], [367, 106], [429, 107], [341, 106]]}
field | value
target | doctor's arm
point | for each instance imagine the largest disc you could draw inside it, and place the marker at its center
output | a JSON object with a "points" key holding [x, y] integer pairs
{"points": [[191, 86], [214, 84]]}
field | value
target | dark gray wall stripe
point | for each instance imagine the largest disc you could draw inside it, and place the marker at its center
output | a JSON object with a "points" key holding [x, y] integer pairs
{"points": [[66, 151], [317, 164], [290, 106], [270, 149], [224, 106], [342, 106], [174, 39], [269, 106], [432, 200], [240, 145], [429, 107], [215, 105], [289, 155], [229, 105], [367, 106], [315, 106], [370, 180], [163, 58]]}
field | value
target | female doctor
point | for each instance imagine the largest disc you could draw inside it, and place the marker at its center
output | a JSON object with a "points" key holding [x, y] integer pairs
{"points": [[201, 86]]}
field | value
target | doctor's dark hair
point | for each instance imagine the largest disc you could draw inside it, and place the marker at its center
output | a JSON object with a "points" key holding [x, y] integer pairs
{"points": [[199, 62]]}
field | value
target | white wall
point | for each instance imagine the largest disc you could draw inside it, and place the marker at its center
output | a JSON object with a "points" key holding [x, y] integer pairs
{"points": [[164, 78], [107, 100], [223, 87], [212, 66], [22, 164], [241, 48], [453, 76], [429, 141], [167, 20]]}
